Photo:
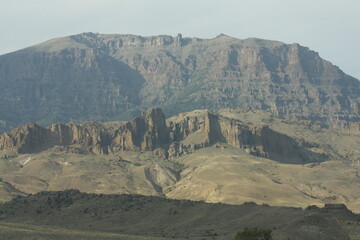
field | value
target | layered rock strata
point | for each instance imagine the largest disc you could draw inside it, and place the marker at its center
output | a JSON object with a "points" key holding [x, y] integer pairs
{"points": [[181, 134], [103, 77]]}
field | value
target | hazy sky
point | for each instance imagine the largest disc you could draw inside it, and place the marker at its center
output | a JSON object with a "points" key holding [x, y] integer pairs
{"points": [[330, 27]]}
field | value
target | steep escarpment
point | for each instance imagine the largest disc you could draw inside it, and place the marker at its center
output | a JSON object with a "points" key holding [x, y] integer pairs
{"points": [[222, 72], [143, 133], [179, 135], [106, 77], [197, 129], [33, 138]]}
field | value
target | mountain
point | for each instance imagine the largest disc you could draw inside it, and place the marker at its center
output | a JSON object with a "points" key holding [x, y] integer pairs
{"points": [[74, 215], [116, 77], [229, 156]]}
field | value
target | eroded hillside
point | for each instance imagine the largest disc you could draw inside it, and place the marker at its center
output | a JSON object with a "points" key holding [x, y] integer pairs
{"points": [[231, 156]]}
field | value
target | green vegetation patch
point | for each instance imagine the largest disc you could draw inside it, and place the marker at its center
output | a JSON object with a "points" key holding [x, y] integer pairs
{"points": [[23, 231]]}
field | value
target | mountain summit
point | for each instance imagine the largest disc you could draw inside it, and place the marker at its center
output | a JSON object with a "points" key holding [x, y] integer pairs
{"points": [[103, 77]]}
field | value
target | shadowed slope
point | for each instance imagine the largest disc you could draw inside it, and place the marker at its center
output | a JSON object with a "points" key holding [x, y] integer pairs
{"points": [[159, 217]]}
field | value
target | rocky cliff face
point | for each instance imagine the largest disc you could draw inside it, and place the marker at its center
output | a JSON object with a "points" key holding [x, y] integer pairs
{"points": [[33, 138], [146, 133], [198, 129], [103, 77], [179, 135]]}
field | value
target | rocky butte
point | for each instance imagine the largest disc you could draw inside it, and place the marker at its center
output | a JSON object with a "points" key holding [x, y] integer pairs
{"points": [[105, 77], [151, 132]]}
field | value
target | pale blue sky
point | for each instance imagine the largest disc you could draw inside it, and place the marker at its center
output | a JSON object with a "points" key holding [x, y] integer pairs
{"points": [[330, 27]]}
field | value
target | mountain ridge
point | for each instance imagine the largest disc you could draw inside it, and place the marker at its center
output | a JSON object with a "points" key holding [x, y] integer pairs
{"points": [[150, 131], [129, 73]]}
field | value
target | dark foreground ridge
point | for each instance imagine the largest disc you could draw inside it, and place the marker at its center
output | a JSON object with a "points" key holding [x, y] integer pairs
{"points": [[140, 216]]}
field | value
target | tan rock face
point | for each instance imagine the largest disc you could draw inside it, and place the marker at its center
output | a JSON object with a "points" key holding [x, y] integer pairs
{"points": [[143, 133], [182, 134], [28, 138], [257, 140], [33, 138]]}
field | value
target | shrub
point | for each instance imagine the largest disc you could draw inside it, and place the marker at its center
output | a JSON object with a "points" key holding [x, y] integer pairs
{"points": [[254, 234]]}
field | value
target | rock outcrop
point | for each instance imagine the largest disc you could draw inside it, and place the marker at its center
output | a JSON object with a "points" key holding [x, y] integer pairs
{"points": [[146, 133], [179, 135], [33, 138], [203, 128]]}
